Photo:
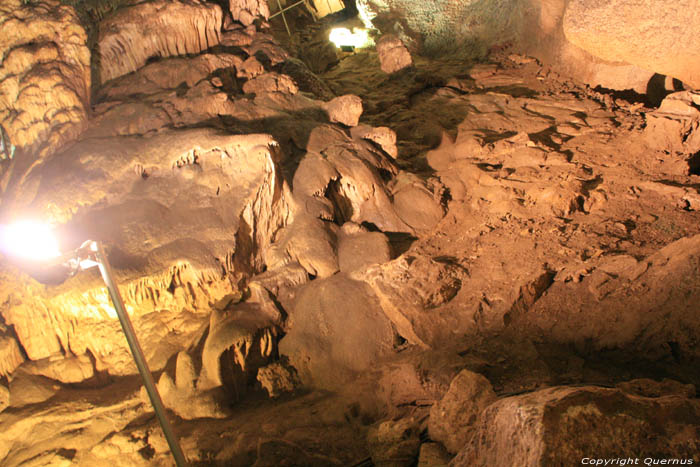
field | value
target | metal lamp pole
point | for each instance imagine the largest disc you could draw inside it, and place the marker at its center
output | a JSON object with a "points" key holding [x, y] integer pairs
{"points": [[139, 359]]}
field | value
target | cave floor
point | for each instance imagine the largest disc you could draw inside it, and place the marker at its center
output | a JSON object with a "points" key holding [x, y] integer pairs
{"points": [[558, 179]]}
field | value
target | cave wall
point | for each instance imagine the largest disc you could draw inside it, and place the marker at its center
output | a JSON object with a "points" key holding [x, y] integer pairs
{"points": [[595, 42]]}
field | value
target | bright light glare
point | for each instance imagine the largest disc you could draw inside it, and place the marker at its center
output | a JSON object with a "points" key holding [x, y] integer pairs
{"points": [[29, 240], [358, 38]]}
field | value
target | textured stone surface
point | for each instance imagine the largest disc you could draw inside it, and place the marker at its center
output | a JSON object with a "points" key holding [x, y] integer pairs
{"points": [[4, 397], [453, 419], [394, 443], [167, 272], [555, 425], [645, 304], [345, 109], [433, 455], [44, 74], [393, 54], [675, 125], [383, 136], [129, 38], [277, 379], [358, 249], [620, 31], [240, 341], [542, 35], [443, 26], [10, 355], [63, 369], [169, 74], [246, 11], [337, 330], [409, 288]]}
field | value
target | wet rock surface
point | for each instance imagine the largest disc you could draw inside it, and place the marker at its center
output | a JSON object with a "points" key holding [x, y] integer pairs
{"points": [[344, 266]]}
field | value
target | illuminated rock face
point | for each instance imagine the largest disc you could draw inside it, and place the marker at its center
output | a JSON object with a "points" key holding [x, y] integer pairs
{"points": [[174, 263], [44, 74], [445, 26], [155, 29], [245, 11], [544, 36], [10, 354], [619, 31]]}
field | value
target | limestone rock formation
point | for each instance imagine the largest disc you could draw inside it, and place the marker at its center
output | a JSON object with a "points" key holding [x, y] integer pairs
{"points": [[10, 355], [345, 109], [383, 136], [555, 425], [278, 379], [4, 397], [543, 36], [646, 387], [44, 75], [454, 419], [246, 11], [393, 54], [619, 31], [132, 36], [394, 443], [166, 173], [240, 341], [41, 431], [336, 330], [675, 125], [170, 74], [647, 290], [63, 369], [467, 28], [358, 249], [432, 455], [409, 288], [477, 144]]}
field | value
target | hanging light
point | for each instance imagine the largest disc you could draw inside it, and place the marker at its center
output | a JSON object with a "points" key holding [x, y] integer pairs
{"points": [[356, 39]]}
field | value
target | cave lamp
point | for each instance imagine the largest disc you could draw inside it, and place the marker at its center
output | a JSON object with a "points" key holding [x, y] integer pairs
{"points": [[35, 243]]}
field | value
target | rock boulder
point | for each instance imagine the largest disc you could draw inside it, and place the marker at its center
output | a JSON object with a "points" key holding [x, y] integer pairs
{"points": [[562, 425], [621, 31]]}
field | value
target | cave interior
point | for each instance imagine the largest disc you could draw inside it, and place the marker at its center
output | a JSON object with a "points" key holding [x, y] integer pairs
{"points": [[373, 233]]}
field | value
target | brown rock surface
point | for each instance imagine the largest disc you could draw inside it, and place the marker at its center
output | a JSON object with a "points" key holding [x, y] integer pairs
{"points": [[532, 223], [44, 75], [180, 274], [411, 290], [358, 248], [394, 443], [10, 354], [345, 109], [4, 397], [453, 420], [246, 11], [337, 330], [129, 38], [644, 306], [543, 36], [675, 125], [557, 425], [619, 31], [433, 455], [393, 54]]}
